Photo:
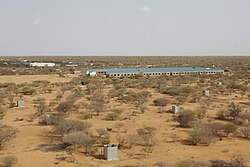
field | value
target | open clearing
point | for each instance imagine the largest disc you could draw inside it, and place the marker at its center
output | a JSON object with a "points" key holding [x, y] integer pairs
{"points": [[18, 79]]}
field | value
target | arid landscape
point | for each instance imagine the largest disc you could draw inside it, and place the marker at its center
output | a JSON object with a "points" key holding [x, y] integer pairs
{"points": [[64, 118]]}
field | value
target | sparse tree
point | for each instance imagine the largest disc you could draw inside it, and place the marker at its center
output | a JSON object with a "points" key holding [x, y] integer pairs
{"points": [[201, 112], [185, 117], [223, 114], [42, 108], [244, 115], [64, 107], [79, 138], [238, 161], [141, 98], [102, 132], [132, 140], [69, 126], [147, 135], [200, 136], [234, 110], [6, 134], [97, 102], [245, 131], [231, 113], [215, 128], [118, 126], [11, 100], [244, 89], [121, 139], [230, 128]]}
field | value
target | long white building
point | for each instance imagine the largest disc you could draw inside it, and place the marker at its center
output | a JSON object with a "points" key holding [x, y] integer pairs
{"points": [[42, 64], [122, 72]]}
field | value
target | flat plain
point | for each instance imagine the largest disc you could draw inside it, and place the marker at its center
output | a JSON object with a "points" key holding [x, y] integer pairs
{"points": [[122, 106]]}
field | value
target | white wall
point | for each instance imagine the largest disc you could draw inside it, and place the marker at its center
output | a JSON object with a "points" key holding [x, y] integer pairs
{"points": [[42, 64]]}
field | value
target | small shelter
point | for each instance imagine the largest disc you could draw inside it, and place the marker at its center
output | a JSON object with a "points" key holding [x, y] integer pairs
{"points": [[175, 109], [77, 72], [20, 103], [92, 74], [206, 92], [110, 152]]}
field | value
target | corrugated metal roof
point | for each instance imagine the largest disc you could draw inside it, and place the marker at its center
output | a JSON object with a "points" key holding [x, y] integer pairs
{"points": [[155, 70]]}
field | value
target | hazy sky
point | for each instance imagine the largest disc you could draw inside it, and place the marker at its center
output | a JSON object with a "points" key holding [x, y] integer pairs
{"points": [[124, 27]]}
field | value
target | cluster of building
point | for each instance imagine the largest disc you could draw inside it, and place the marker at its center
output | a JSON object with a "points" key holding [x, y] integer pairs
{"points": [[123, 72], [32, 64], [43, 64]]}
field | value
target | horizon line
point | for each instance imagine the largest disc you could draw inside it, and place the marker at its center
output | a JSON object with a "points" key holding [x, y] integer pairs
{"points": [[130, 55]]}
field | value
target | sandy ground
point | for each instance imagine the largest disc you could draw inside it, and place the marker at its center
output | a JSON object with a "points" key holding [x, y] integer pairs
{"points": [[26, 145], [30, 78]]}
